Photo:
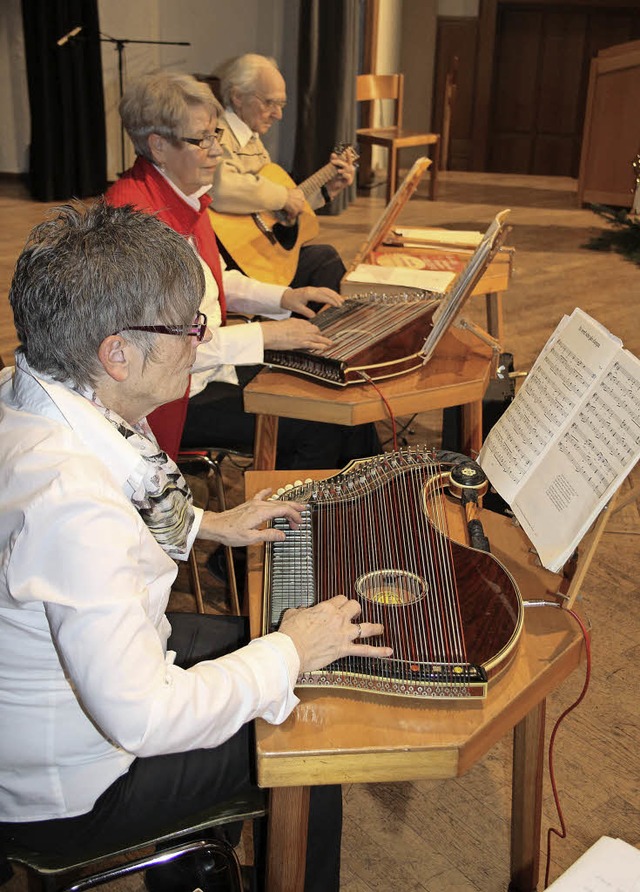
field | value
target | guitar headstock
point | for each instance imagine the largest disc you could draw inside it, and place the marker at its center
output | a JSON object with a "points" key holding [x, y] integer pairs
{"points": [[346, 152]]}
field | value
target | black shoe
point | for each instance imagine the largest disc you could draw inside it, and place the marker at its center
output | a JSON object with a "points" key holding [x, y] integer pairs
{"points": [[207, 872]]}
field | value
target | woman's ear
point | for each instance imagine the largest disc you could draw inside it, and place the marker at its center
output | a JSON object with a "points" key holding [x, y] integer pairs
{"points": [[113, 357], [157, 148]]}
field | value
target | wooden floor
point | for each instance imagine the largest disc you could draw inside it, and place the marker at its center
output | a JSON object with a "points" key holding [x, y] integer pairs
{"points": [[452, 836]]}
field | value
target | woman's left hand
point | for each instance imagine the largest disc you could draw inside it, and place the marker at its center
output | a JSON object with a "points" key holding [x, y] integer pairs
{"points": [[242, 525], [296, 299]]}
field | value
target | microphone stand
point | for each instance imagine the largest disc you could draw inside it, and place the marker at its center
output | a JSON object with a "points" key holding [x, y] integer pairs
{"points": [[119, 46]]}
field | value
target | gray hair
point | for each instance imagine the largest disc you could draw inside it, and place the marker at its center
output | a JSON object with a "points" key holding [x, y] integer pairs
{"points": [[241, 73], [160, 103], [89, 272]]}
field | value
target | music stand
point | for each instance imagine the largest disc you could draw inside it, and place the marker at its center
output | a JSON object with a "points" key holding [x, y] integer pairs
{"points": [[119, 45]]}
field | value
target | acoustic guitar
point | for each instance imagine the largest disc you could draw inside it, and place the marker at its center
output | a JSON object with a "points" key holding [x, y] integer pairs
{"points": [[266, 245]]}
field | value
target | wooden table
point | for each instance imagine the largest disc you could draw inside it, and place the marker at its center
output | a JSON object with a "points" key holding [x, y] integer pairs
{"points": [[457, 375], [334, 737], [492, 286]]}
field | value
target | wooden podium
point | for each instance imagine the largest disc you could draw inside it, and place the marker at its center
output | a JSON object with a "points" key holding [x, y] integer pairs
{"points": [[347, 737], [611, 137]]}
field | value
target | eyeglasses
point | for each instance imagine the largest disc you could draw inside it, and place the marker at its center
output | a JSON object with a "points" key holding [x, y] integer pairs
{"points": [[204, 142], [271, 104], [197, 329]]}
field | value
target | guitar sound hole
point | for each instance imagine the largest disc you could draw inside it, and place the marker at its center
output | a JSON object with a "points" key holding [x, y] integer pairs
{"points": [[393, 588]]}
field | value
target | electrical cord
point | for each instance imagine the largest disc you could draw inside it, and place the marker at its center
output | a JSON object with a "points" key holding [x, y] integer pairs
{"points": [[562, 832], [392, 417], [402, 429]]}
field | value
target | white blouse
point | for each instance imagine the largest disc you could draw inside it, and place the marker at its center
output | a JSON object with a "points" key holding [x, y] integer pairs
{"points": [[86, 681]]}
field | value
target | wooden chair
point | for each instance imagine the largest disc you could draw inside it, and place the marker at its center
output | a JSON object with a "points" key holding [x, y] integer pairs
{"points": [[372, 87], [207, 461], [167, 423]]}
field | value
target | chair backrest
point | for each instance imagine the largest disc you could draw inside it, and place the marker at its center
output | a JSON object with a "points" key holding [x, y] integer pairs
{"points": [[370, 87]]}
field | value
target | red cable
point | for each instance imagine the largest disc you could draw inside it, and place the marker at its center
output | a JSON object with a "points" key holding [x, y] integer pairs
{"points": [[392, 417], [562, 833]]}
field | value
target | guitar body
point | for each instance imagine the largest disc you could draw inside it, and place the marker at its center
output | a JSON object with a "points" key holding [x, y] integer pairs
{"points": [[269, 258]]}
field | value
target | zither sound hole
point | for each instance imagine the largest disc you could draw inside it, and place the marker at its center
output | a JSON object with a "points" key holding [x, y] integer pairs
{"points": [[391, 587]]}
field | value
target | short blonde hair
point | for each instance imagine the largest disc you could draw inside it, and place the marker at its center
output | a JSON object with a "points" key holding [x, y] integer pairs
{"points": [[159, 103]]}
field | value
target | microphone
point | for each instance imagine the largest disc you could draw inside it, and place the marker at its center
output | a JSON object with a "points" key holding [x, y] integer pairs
{"points": [[67, 37]]}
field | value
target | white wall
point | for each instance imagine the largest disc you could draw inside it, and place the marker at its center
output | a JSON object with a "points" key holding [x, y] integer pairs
{"points": [[14, 98], [216, 30], [387, 56]]}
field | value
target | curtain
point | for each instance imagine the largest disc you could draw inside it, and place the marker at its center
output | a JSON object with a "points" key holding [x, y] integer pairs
{"points": [[68, 145], [327, 68]]}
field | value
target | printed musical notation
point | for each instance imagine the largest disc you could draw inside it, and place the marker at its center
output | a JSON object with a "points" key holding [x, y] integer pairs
{"points": [[610, 865], [569, 438]]}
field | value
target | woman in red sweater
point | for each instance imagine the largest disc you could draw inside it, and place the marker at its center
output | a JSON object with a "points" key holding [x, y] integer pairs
{"points": [[172, 120]]}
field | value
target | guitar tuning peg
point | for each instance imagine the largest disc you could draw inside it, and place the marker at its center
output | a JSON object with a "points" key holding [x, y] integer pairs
{"points": [[280, 491], [298, 483]]}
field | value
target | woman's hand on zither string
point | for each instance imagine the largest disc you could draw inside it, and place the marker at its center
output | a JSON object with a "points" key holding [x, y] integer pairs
{"points": [[294, 334], [330, 630], [242, 525], [297, 300]]}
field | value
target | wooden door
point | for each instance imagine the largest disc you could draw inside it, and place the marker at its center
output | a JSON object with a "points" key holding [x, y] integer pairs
{"points": [[540, 78], [456, 38]]}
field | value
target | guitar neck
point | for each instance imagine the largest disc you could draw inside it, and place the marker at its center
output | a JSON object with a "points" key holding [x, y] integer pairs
{"points": [[317, 180]]}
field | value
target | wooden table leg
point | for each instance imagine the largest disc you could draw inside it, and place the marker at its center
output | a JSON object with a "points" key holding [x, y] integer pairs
{"points": [[471, 429], [287, 839], [526, 800], [495, 324], [265, 442]]}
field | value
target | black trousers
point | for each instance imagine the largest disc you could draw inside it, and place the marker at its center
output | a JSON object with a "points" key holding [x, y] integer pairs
{"points": [[159, 790], [216, 417], [320, 266]]}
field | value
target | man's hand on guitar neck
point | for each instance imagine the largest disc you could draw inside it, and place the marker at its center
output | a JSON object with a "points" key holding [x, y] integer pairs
{"points": [[345, 172], [344, 176]]}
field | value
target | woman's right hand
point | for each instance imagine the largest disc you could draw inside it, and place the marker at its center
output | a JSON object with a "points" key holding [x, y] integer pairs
{"points": [[294, 334], [329, 630]]}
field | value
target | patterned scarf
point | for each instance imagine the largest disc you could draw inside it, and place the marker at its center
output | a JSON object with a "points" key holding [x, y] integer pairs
{"points": [[163, 498]]}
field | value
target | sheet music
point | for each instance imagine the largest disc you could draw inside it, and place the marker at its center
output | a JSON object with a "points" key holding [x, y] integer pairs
{"points": [[441, 237], [610, 865], [569, 438], [436, 281]]}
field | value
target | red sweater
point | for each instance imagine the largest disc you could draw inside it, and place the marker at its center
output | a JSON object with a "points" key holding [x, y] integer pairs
{"points": [[147, 190]]}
